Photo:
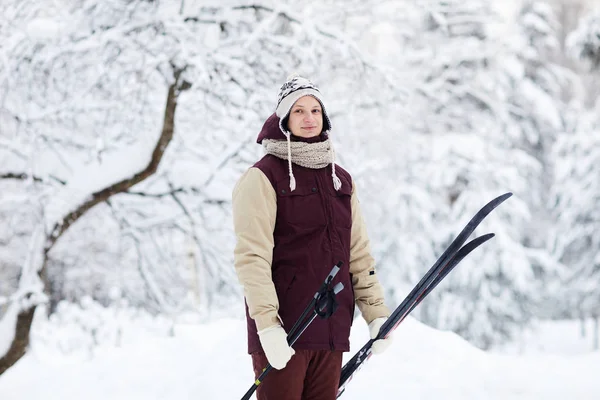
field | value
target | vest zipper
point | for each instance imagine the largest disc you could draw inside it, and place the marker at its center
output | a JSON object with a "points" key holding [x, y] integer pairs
{"points": [[326, 201]]}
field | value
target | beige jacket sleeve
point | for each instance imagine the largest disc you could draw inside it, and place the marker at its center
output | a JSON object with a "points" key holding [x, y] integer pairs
{"points": [[254, 212], [368, 292]]}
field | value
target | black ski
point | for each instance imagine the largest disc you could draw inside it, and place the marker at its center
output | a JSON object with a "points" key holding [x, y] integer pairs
{"points": [[447, 261], [462, 253], [404, 309]]}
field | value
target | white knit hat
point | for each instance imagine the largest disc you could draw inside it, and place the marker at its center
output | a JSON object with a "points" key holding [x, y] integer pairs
{"points": [[293, 89]]}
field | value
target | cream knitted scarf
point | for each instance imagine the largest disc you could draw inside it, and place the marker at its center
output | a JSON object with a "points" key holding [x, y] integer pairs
{"points": [[310, 155]]}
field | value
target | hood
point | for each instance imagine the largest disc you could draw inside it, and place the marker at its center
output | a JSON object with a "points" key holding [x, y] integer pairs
{"points": [[270, 130]]}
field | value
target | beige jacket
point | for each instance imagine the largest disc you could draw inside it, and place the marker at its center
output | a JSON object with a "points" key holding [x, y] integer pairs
{"points": [[254, 214]]}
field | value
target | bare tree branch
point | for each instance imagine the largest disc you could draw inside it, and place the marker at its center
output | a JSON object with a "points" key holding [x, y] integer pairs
{"points": [[23, 177]]}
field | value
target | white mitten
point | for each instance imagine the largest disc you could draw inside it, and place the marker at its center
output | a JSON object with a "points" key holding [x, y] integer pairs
{"points": [[380, 345], [275, 345]]}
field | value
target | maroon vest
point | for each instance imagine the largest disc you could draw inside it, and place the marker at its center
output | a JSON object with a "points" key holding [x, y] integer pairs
{"points": [[312, 233]]}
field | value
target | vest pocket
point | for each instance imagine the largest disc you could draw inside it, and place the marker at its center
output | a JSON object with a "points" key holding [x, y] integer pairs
{"points": [[302, 207], [342, 205], [284, 277]]}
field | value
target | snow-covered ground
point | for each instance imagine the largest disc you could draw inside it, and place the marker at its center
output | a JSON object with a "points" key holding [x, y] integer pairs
{"points": [[554, 337], [155, 360]]}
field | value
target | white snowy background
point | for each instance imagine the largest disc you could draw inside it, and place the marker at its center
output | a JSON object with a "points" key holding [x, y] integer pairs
{"points": [[119, 236]]}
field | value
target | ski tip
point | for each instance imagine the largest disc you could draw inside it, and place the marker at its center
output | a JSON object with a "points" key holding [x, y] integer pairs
{"points": [[473, 244], [498, 200], [482, 239]]}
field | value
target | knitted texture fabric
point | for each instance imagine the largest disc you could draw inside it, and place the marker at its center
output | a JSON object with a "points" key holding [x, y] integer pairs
{"points": [[309, 155]]}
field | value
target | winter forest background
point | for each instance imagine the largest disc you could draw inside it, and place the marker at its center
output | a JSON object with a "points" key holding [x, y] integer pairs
{"points": [[124, 125]]}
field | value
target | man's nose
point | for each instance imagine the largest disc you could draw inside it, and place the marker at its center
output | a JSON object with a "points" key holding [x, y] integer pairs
{"points": [[308, 117]]}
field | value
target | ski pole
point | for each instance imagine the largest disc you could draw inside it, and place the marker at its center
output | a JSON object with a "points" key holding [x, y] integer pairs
{"points": [[321, 307], [318, 293], [322, 304]]}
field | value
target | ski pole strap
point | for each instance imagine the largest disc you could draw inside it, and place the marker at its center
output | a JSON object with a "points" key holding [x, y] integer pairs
{"points": [[313, 303], [326, 303]]}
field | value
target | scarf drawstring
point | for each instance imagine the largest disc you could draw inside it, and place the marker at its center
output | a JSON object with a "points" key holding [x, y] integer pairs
{"points": [[289, 157], [337, 184]]}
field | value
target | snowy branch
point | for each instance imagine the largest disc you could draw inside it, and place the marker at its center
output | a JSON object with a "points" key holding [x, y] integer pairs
{"points": [[36, 263], [23, 177]]}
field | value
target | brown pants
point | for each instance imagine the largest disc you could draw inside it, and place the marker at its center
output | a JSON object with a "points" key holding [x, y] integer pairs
{"points": [[309, 375]]}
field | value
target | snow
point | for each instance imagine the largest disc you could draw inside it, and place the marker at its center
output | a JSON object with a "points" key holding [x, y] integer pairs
{"points": [[151, 360], [43, 29], [542, 105], [97, 175], [557, 338], [86, 180]]}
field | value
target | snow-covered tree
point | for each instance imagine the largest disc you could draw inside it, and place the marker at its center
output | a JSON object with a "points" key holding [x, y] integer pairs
{"points": [[577, 236], [107, 190], [576, 194], [543, 92], [469, 129], [434, 114], [453, 150], [584, 42]]}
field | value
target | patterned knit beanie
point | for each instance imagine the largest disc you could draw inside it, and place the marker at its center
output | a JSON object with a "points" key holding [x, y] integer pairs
{"points": [[293, 89]]}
